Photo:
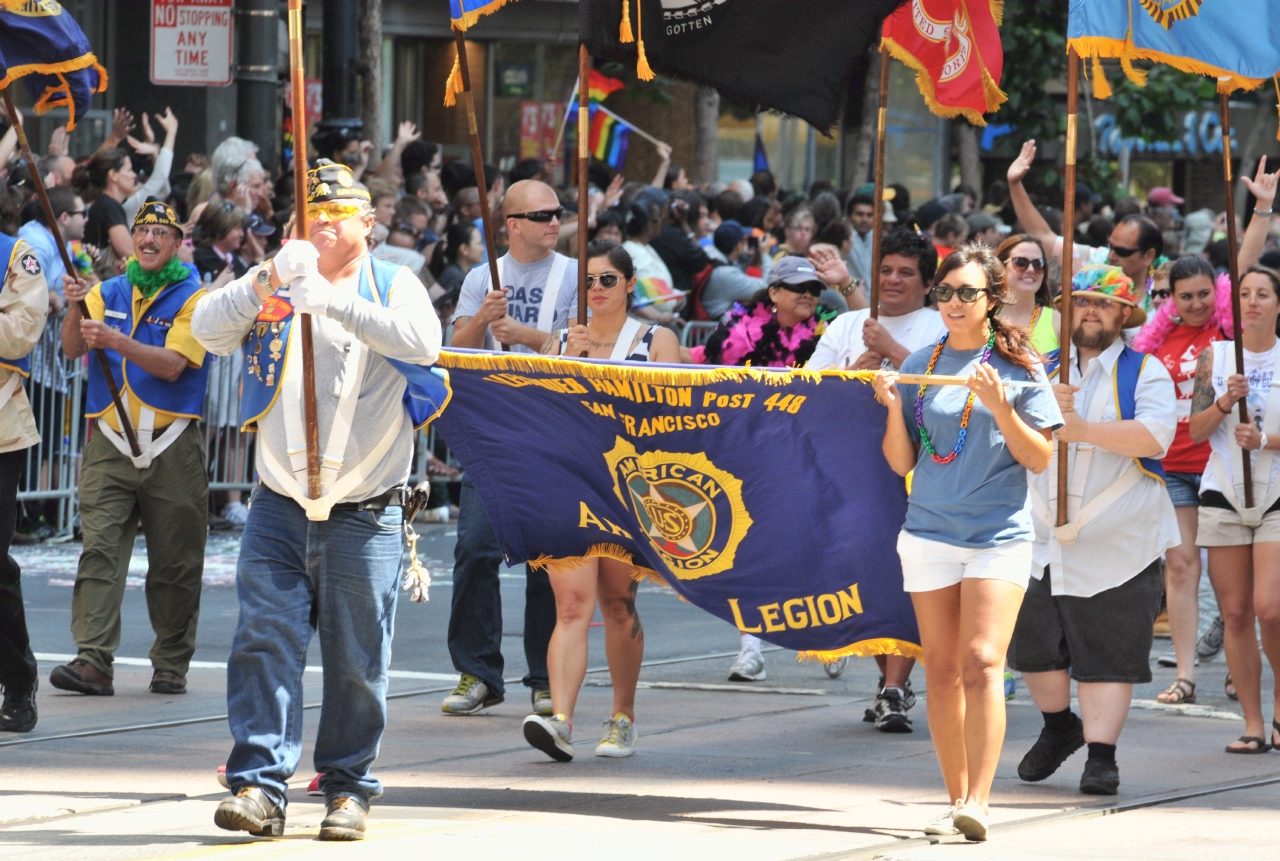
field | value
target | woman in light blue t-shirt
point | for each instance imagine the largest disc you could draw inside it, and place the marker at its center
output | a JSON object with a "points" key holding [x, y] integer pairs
{"points": [[966, 543]]}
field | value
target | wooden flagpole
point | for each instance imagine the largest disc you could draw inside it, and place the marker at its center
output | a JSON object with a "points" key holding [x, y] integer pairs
{"points": [[1068, 255], [584, 103], [877, 230], [297, 81], [1233, 266], [38, 181]]}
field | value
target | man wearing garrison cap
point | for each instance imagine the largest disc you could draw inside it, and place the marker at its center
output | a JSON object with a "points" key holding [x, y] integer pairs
{"points": [[330, 564], [141, 320]]}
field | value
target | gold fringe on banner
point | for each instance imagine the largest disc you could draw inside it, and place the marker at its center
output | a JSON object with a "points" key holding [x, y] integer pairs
{"points": [[997, 11], [991, 90], [866, 649], [1126, 51], [1101, 86], [624, 29], [525, 363], [469, 19]]}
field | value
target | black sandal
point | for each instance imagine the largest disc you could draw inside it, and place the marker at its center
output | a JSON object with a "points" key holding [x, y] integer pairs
{"points": [[1262, 746]]}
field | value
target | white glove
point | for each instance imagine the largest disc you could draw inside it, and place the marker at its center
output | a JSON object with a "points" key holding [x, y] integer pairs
{"points": [[296, 259], [310, 294]]}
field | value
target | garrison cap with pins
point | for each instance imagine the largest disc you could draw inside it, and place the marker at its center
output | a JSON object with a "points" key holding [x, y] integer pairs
{"points": [[331, 181], [156, 211]]}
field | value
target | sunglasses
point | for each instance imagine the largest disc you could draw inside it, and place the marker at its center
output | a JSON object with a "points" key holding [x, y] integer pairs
{"points": [[1122, 252], [967, 295], [408, 230], [1161, 294], [1089, 302], [813, 288], [607, 280], [332, 211], [541, 216], [1035, 264]]}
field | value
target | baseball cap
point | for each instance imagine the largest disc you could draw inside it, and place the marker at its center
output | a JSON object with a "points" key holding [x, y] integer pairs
{"points": [[1084, 192], [792, 270], [257, 225], [1163, 196], [728, 235]]}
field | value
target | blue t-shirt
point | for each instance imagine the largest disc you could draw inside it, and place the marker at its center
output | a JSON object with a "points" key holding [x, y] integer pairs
{"points": [[980, 498]]}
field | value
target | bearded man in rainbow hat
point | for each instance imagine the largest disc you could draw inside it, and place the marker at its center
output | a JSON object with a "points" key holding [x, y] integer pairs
{"points": [[1096, 582], [141, 320]]}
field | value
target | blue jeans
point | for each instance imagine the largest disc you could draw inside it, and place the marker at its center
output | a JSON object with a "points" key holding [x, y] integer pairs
{"points": [[340, 577], [475, 617]]}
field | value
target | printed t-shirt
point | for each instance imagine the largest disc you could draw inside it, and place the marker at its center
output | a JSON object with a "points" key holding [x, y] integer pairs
{"points": [[1179, 354], [980, 499], [525, 281]]}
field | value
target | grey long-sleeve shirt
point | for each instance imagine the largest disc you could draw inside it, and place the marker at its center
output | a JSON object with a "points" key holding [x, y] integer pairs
{"points": [[407, 329]]}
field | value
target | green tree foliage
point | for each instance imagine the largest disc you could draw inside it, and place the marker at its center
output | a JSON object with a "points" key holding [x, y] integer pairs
{"points": [[1034, 35], [1155, 112]]}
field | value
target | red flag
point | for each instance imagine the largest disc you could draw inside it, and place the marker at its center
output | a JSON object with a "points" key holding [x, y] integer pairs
{"points": [[954, 46]]}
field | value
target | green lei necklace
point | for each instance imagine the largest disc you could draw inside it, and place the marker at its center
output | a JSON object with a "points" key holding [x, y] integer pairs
{"points": [[151, 283]]}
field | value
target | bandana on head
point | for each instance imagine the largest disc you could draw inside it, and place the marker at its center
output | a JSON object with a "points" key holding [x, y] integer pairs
{"points": [[332, 181], [156, 211]]}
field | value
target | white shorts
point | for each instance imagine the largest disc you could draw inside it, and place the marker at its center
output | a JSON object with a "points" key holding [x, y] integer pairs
{"points": [[929, 565]]}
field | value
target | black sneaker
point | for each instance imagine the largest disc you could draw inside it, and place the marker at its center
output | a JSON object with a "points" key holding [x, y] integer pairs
{"points": [[1100, 778], [345, 819], [1049, 752], [18, 714], [891, 712]]}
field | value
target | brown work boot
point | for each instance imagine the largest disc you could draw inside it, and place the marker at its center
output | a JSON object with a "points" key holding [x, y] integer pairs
{"points": [[168, 682], [83, 678], [250, 810], [345, 820]]}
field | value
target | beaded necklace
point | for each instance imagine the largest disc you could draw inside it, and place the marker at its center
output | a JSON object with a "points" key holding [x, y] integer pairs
{"points": [[968, 406]]}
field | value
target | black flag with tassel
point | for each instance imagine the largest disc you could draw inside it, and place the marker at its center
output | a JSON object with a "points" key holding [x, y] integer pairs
{"points": [[794, 56]]}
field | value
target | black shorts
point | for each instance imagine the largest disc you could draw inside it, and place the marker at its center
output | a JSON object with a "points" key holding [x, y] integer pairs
{"points": [[1104, 638]]}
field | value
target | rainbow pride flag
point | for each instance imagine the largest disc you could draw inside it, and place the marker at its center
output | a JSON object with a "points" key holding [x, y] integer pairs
{"points": [[608, 138], [599, 87], [652, 291]]}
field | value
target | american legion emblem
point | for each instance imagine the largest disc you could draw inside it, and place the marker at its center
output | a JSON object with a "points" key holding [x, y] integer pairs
{"points": [[690, 511]]}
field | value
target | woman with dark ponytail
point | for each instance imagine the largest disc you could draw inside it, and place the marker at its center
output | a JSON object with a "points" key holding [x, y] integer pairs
{"points": [[966, 543]]}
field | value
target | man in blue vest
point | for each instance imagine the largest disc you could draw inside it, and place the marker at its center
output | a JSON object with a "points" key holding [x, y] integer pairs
{"points": [[141, 320], [1096, 583], [24, 303], [330, 564]]}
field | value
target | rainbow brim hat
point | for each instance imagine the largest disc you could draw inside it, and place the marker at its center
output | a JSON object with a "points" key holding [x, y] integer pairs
{"points": [[1109, 281]]}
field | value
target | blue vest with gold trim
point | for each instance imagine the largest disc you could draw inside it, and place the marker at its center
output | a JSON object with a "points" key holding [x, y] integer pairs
{"points": [[8, 245], [426, 390], [185, 395], [1124, 382]]}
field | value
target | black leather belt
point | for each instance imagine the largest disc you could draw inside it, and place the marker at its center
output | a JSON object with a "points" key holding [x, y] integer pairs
{"points": [[392, 497]]}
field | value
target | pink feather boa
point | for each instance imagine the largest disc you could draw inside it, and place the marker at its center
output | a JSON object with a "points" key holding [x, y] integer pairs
{"points": [[1162, 323]]}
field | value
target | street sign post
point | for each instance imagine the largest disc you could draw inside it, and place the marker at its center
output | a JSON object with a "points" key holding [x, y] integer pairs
{"points": [[191, 42]]}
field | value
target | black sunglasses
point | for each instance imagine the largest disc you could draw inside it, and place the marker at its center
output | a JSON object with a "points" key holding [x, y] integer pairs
{"points": [[542, 216], [1161, 294], [1035, 264], [407, 229], [967, 295], [813, 288], [607, 280], [1122, 252]]}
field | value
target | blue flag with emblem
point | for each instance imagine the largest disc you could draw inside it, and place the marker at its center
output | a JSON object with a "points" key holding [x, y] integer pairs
{"points": [[1237, 42], [42, 43], [759, 495]]}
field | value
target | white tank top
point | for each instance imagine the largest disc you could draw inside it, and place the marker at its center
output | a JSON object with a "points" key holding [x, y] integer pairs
{"points": [[1258, 370]]}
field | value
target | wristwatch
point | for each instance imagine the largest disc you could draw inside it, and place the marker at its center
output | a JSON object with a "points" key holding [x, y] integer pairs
{"points": [[262, 281]]}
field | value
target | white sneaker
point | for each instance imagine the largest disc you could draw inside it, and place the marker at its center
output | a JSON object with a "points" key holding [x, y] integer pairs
{"points": [[550, 735], [971, 822], [236, 512], [945, 824], [749, 667], [438, 515], [619, 737]]}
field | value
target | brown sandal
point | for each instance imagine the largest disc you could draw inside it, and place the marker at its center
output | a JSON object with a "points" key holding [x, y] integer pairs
{"points": [[1181, 691], [1262, 746]]}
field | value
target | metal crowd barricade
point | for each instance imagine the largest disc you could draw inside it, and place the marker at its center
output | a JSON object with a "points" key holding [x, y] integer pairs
{"points": [[56, 390]]}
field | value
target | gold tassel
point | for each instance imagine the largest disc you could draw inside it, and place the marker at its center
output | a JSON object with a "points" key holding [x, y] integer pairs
{"points": [[1138, 76], [417, 579], [624, 31], [453, 85], [643, 72], [1101, 86]]}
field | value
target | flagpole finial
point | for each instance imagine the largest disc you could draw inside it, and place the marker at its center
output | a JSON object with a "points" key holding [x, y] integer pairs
{"points": [[624, 29]]}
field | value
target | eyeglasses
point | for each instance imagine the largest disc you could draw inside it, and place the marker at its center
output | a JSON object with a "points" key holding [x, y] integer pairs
{"points": [[608, 280], [1090, 302], [77, 212], [1035, 264], [332, 211], [542, 216], [967, 295], [157, 230], [813, 288], [1122, 252], [407, 229], [1161, 294]]}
